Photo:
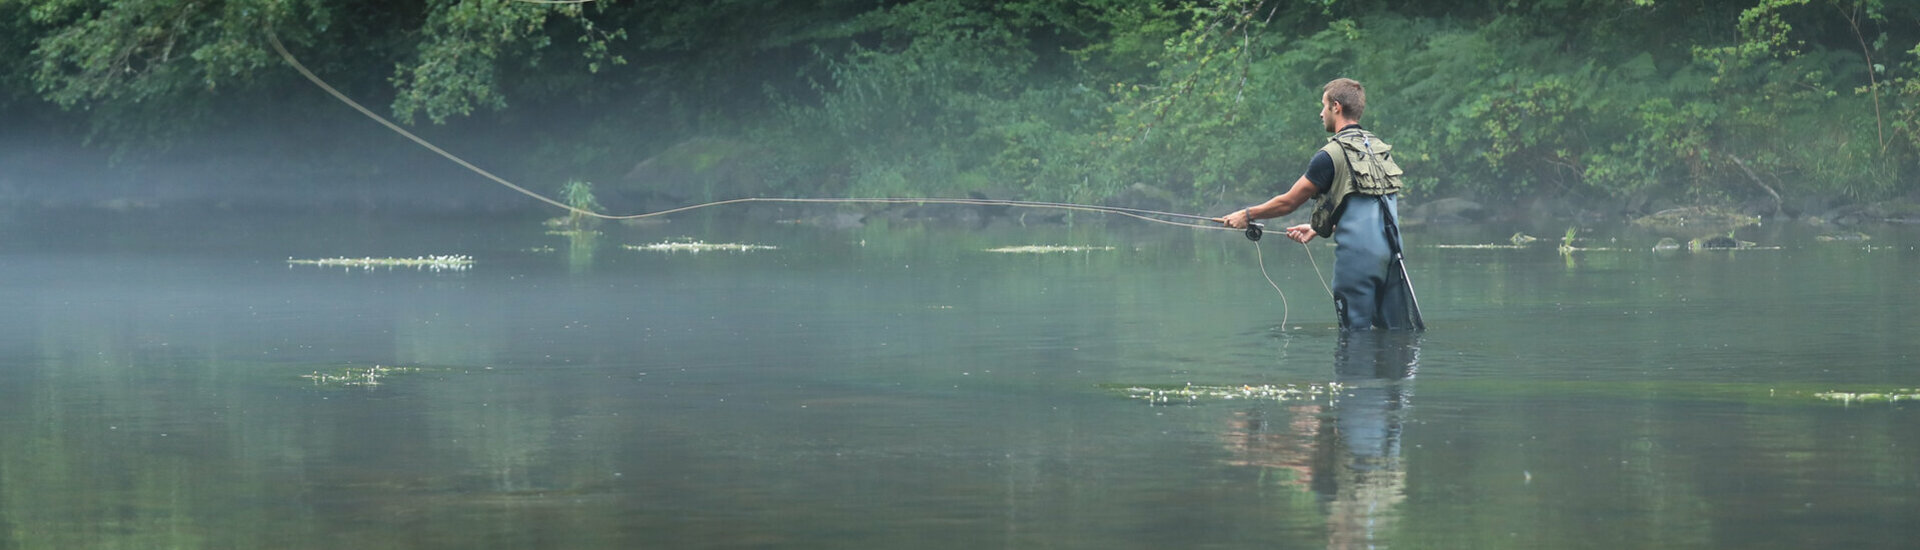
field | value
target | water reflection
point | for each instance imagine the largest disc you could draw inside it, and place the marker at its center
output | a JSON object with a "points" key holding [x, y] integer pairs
{"points": [[1346, 451], [581, 245]]}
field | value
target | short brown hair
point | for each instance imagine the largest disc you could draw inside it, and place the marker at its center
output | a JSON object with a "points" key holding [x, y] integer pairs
{"points": [[1349, 94]]}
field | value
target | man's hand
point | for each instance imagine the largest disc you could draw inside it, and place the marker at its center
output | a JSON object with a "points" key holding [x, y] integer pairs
{"points": [[1301, 233], [1236, 220]]}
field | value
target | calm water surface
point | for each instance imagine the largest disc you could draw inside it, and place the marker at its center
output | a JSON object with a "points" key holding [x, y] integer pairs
{"points": [[893, 387]]}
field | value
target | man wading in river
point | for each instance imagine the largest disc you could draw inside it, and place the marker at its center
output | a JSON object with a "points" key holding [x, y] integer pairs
{"points": [[1356, 181]]}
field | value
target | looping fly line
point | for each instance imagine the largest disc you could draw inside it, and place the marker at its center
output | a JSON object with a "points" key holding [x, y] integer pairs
{"points": [[1137, 213]]}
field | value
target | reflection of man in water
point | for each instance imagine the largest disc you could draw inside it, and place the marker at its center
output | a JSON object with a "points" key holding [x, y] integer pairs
{"points": [[1347, 452], [1363, 480]]}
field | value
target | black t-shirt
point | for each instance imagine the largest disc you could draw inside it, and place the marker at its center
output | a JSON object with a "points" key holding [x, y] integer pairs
{"points": [[1320, 169], [1320, 172]]}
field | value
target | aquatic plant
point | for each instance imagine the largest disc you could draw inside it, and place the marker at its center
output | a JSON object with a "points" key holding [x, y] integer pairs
{"points": [[579, 197], [1191, 393], [1870, 397], [697, 246], [1491, 246], [356, 376], [1046, 249], [452, 262]]}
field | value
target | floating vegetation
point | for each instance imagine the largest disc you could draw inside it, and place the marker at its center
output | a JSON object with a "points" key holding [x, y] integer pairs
{"points": [[697, 246], [1521, 241], [1873, 397], [645, 222], [1047, 249], [1693, 221], [1844, 237], [1482, 246], [356, 376], [1750, 393], [1191, 393], [454, 262]]}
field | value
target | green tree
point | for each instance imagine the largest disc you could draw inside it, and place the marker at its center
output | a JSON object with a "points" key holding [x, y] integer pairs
{"points": [[1208, 100]]}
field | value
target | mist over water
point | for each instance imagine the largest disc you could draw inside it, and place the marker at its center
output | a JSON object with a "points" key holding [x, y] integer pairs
{"points": [[897, 385]]}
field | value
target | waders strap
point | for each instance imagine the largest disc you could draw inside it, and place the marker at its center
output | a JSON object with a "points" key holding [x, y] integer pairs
{"points": [[1399, 259]]}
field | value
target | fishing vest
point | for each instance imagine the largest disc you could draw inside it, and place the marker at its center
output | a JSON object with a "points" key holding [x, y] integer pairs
{"points": [[1361, 164]]}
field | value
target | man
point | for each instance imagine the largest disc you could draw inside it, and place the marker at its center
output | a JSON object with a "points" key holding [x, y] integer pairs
{"points": [[1357, 181]]}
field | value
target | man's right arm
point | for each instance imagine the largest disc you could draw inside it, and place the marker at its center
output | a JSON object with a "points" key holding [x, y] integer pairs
{"points": [[1319, 174], [1303, 190], [1279, 205]]}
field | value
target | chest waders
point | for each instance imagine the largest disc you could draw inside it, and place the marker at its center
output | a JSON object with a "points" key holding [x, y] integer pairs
{"points": [[1363, 165]]}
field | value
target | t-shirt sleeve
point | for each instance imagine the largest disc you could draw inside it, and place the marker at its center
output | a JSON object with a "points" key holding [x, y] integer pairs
{"points": [[1320, 172]]}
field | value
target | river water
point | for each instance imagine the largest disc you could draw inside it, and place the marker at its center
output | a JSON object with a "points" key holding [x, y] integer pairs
{"points": [[900, 386]]}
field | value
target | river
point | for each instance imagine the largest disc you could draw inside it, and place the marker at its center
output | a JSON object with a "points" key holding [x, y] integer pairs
{"points": [[177, 383]]}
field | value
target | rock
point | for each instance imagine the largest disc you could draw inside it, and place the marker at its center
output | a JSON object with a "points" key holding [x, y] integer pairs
{"points": [[1894, 211], [1546, 207], [1847, 215], [1854, 236], [988, 212], [1718, 242], [698, 169], [1666, 244], [1522, 239], [1144, 197], [1452, 210]]}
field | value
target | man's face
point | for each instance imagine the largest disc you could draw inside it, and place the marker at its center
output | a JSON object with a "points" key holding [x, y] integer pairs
{"points": [[1326, 112]]}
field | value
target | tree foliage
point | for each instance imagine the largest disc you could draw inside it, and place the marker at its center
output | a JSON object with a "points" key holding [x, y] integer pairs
{"points": [[1207, 100]]}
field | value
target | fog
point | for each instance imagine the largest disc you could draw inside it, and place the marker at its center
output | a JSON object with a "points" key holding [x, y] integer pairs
{"points": [[318, 160]]}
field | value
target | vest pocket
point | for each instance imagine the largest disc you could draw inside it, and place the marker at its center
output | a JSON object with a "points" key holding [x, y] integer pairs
{"points": [[1378, 175]]}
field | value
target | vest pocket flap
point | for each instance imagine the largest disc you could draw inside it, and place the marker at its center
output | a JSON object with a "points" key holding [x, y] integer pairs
{"points": [[1391, 168], [1376, 166]]}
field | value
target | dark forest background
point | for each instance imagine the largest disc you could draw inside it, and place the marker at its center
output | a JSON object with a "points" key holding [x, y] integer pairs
{"points": [[1618, 107]]}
